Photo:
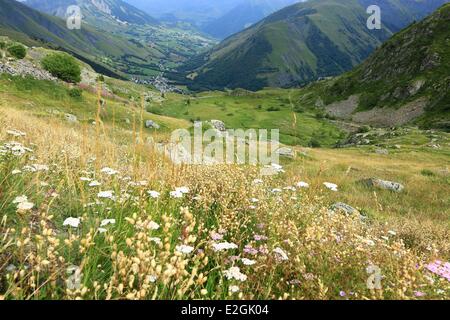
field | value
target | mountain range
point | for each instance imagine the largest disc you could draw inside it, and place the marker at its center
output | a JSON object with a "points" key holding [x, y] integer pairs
{"points": [[301, 43], [115, 38], [219, 19], [243, 16]]}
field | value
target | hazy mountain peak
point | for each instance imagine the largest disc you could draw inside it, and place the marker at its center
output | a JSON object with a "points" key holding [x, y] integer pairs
{"points": [[116, 10]]}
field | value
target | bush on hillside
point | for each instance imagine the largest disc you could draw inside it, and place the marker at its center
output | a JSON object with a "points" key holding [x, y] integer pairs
{"points": [[272, 109], [62, 66], [18, 51], [314, 143], [76, 93]]}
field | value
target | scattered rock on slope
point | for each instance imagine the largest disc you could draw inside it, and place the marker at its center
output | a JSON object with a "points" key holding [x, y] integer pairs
{"points": [[25, 68], [71, 118], [383, 184], [343, 207], [150, 124], [286, 152], [219, 125]]}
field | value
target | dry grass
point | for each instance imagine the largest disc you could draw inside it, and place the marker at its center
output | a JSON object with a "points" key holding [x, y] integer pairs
{"points": [[286, 245]]}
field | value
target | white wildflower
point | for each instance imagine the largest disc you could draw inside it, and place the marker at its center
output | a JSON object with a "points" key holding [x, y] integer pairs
{"points": [[102, 230], [106, 194], [153, 194], [184, 249], [105, 222], [109, 171], [25, 206], [20, 199], [16, 171], [303, 184], [155, 240], [234, 289], [40, 167], [248, 262], [224, 246], [152, 225], [183, 190], [281, 254], [73, 222], [235, 273], [331, 186], [176, 194], [94, 183], [29, 169]]}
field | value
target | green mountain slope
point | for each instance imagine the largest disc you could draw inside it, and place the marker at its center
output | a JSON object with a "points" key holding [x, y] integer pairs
{"points": [[301, 43], [113, 49], [20, 21], [408, 78]]}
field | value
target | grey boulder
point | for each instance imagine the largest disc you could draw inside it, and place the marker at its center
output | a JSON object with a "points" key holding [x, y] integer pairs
{"points": [[150, 124], [343, 207], [383, 184]]}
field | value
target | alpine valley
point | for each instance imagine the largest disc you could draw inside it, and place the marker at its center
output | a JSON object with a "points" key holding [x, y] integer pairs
{"points": [[134, 158]]}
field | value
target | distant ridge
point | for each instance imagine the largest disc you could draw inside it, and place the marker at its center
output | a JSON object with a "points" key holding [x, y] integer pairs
{"points": [[302, 43]]}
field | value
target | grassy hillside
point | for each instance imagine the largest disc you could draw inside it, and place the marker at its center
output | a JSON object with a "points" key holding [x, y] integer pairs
{"points": [[412, 66], [114, 49], [64, 237], [301, 43]]}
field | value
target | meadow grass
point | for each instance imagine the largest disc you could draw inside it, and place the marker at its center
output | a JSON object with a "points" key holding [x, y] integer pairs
{"points": [[269, 109], [225, 237], [92, 211]]}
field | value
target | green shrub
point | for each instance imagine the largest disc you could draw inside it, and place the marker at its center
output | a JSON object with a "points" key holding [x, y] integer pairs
{"points": [[364, 129], [369, 101], [18, 51], [314, 143], [62, 66], [2, 45], [271, 109], [427, 173], [76, 93]]}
